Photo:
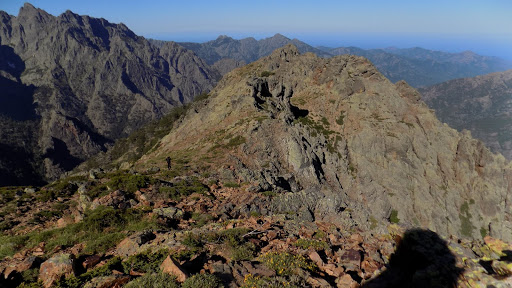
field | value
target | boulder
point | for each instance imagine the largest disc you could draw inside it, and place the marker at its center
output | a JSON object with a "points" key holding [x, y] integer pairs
{"points": [[112, 281], [60, 265], [171, 267]]}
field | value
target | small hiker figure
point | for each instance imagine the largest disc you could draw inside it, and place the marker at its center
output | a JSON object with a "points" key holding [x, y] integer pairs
{"points": [[168, 159]]}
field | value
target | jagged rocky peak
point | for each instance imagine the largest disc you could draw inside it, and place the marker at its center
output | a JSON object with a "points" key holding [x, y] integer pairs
{"points": [[343, 144], [88, 82]]}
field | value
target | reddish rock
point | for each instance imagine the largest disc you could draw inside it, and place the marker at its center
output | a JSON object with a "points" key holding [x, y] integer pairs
{"points": [[91, 261], [346, 281], [61, 265], [333, 270], [258, 270], [318, 282], [113, 281], [351, 259], [271, 235], [171, 267], [315, 257], [16, 265], [369, 267]]}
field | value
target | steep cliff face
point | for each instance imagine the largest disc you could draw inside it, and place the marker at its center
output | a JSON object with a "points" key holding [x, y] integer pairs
{"points": [[342, 144], [87, 81], [482, 105]]}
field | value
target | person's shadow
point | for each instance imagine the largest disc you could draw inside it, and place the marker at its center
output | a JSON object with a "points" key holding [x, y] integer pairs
{"points": [[422, 259]]}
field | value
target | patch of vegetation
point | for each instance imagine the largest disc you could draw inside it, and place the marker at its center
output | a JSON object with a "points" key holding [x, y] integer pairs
{"points": [[318, 128], [203, 281], [393, 218], [80, 280], [100, 230], [373, 223], [340, 119], [466, 227], [353, 170], [269, 193], [285, 263], [154, 280], [231, 185], [60, 188], [192, 240], [311, 244], [251, 281], [183, 188], [235, 141], [201, 219], [410, 125], [483, 232], [145, 262], [267, 73], [128, 182]]}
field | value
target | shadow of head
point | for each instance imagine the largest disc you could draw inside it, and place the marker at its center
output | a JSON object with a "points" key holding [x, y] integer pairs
{"points": [[421, 259]]}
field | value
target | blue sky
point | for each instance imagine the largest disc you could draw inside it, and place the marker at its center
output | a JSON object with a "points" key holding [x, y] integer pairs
{"points": [[484, 26]]}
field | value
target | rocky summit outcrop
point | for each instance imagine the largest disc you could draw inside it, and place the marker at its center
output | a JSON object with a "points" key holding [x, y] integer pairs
{"points": [[85, 82], [340, 143], [482, 105]]}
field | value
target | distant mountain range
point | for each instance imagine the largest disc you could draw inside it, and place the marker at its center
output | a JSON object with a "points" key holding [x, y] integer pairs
{"points": [[421, 67], [482, 105], [73, 84], [417, 66]]}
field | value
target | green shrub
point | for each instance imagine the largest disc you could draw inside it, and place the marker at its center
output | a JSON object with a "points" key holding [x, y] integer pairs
{"points": [[235, 141], [309, 243], [192, 240], [128, 182], [266, 73], [146, 262], [203, 281], [154, 280], [251, 281], [183, 188], [340, 120], [393, 218], [78, 281], [285, 263], [231, 185]]}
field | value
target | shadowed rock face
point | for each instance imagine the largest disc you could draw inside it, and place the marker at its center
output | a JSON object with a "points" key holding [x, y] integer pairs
{"points": [[87, 81], [482, 105], [422, 259], [345, 145]]}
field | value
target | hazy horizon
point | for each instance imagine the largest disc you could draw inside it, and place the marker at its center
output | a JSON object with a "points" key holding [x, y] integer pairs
{"points": [[481, 27]]}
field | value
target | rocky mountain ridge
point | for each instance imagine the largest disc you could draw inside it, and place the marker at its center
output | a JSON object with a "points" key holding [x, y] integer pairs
{"points": [[226, 53], [344, 145], [481, 105], [421, 67], [417, 66], [87, 82]]}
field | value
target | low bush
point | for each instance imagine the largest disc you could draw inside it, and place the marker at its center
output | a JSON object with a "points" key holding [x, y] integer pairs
{"points": [[285, 263], [145, 262], [154, 280], [203, 281]]}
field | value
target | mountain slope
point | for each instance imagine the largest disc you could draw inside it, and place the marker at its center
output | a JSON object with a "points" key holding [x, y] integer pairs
{"points": [[482, 105], [226, 53], [421, 67], [87, 81], [343, 145]]}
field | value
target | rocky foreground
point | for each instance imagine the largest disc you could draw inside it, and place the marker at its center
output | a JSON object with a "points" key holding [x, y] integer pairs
{"points": [[160, 229]]}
